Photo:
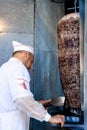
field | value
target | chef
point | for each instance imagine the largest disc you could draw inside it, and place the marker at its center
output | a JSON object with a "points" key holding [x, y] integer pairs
{"points": [[17, 103]]}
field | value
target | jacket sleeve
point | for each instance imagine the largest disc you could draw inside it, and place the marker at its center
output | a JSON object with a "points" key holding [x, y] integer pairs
{"points": [[32, 108]]}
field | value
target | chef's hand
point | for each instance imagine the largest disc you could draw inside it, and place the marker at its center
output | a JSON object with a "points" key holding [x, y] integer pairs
{"points": [[45, 103], [57, 119]]}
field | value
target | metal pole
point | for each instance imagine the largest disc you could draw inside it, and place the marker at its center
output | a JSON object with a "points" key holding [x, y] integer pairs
{"points": [[75, 2]]}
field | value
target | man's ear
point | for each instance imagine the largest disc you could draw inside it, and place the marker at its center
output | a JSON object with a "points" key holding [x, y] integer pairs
{"points": [[26, 54]]}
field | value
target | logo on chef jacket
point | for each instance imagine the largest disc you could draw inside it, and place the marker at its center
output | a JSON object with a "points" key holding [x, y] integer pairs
{"points": [[23, 85]]}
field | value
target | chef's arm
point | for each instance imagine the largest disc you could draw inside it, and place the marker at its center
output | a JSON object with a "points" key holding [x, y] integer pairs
{"points": [[33, 108], [36, 110]]}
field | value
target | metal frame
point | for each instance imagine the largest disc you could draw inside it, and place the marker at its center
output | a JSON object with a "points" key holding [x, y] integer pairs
{"points": [[82, 57]]}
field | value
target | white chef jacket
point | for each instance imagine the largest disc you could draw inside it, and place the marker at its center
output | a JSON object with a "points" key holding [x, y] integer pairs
{"points": [[14, 84]]}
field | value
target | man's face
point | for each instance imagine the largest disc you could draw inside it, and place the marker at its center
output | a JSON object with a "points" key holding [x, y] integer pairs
{"points": [[29, 61]]}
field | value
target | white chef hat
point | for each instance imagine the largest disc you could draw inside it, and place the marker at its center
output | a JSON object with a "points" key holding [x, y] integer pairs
{"points": [[21, 47]]}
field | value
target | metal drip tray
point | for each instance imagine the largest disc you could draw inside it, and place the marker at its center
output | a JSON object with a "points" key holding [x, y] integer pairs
{"points": [[71, 126]]}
